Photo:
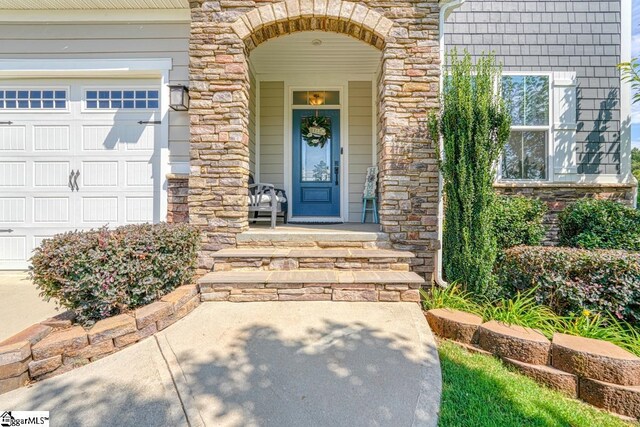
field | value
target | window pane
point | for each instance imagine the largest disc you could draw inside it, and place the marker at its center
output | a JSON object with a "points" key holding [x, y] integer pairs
{"points": [[316, 97], [528, 99], [537, 101], [513, 93], [525, 156], [299, 98], [534, 155], [316, 161], [512, 157]]}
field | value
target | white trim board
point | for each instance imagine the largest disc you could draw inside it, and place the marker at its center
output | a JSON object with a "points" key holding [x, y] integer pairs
{"points": [[81, 67], [626, 16], [96, 15]]}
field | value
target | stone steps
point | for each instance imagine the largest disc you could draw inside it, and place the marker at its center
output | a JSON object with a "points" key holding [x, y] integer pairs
{"points": [[310, 285], [251, 259], [284, 237]]}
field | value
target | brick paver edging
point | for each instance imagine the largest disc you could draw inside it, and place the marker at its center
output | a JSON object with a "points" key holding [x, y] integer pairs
{"points": [[55, 345], [598, 372]]}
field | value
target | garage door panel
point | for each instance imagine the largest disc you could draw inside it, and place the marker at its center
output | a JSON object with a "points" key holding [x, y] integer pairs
{"points": [[13, 209], [13, 248], [13, 174], [139, 137], [99, 174], [99, 138], [139, 209], [51, 209], [13, 138], [51, 174], [51, 138], [139, 174], [99, 209]]}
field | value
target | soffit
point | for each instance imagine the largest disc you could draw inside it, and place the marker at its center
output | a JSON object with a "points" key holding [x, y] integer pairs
{"points": [[297, 53]]}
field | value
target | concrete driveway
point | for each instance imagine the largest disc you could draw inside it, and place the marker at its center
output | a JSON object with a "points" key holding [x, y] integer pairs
{"points": [[258, 364], [21, 304]]}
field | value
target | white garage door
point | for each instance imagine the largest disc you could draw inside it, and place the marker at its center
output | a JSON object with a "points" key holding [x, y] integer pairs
{"points": [[74, 154]]}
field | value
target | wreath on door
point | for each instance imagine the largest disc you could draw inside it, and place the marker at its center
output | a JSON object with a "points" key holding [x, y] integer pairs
{"points": [[316, 131]]}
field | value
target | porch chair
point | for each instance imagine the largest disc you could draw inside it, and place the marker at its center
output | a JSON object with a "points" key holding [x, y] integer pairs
{"points": [[369, 194], [266, 198]]}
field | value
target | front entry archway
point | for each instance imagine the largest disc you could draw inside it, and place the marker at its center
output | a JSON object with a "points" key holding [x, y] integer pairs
{"points": [[223, 35]]}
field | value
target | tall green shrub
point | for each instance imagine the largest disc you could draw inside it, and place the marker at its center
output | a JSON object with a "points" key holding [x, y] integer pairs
{"points": [[474, 125]]}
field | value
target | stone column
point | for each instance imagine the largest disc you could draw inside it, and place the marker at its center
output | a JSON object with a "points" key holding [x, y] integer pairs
{"points": [[408, 92], [219, 115]]}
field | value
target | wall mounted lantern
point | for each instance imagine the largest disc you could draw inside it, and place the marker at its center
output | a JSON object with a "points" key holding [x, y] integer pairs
{"points": [[178, 97]]}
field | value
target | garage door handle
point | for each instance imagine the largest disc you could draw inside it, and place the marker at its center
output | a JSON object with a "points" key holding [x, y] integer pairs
{"points": [[6, 230], [71, 180], [75, 180]]}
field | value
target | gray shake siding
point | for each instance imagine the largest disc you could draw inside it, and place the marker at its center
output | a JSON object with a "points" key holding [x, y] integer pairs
{"points": [[556, 35]]}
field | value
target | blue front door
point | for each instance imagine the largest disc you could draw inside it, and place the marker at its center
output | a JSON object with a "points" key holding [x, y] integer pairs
{"points": [[316, 165]]}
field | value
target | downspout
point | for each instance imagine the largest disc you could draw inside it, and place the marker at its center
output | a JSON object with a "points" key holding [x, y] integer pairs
{"points": [[445, 10]]}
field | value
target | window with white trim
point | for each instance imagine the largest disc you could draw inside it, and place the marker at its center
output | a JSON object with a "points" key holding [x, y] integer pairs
{"points": [[127, 99], [33, 99], [526, 153]]}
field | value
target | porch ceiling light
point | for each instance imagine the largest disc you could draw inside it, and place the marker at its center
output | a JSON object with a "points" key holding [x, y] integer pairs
{"points": [[316, 98], [178, 97]]}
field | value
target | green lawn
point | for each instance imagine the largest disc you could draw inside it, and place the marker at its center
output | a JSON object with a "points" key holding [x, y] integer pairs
{"points": [[480, 391]]}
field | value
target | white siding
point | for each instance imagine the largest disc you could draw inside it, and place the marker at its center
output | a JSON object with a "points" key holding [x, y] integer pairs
{"points": [[98, 40], [360, 143], [272, 133]]}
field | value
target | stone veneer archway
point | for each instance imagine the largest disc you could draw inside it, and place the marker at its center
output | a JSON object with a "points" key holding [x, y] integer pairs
{"points": [[222, 35]]}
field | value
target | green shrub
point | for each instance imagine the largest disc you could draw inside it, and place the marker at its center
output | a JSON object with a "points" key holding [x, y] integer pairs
{"points": [[518, 221], [101, 273], [474, 124], [452, 297], [600, 224], [523, 310], [569, 280]]}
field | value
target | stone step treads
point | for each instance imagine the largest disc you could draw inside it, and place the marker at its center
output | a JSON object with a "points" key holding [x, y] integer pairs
{"points": [[312, 238], [311, 258], [310, 285]]}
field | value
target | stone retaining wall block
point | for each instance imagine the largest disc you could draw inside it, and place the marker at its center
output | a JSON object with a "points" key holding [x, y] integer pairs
{"points": [[514, 342], [454, 325]]}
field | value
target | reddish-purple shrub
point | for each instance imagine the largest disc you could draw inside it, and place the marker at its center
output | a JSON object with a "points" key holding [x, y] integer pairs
{"points": [[101, 273], [570, 280]]}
